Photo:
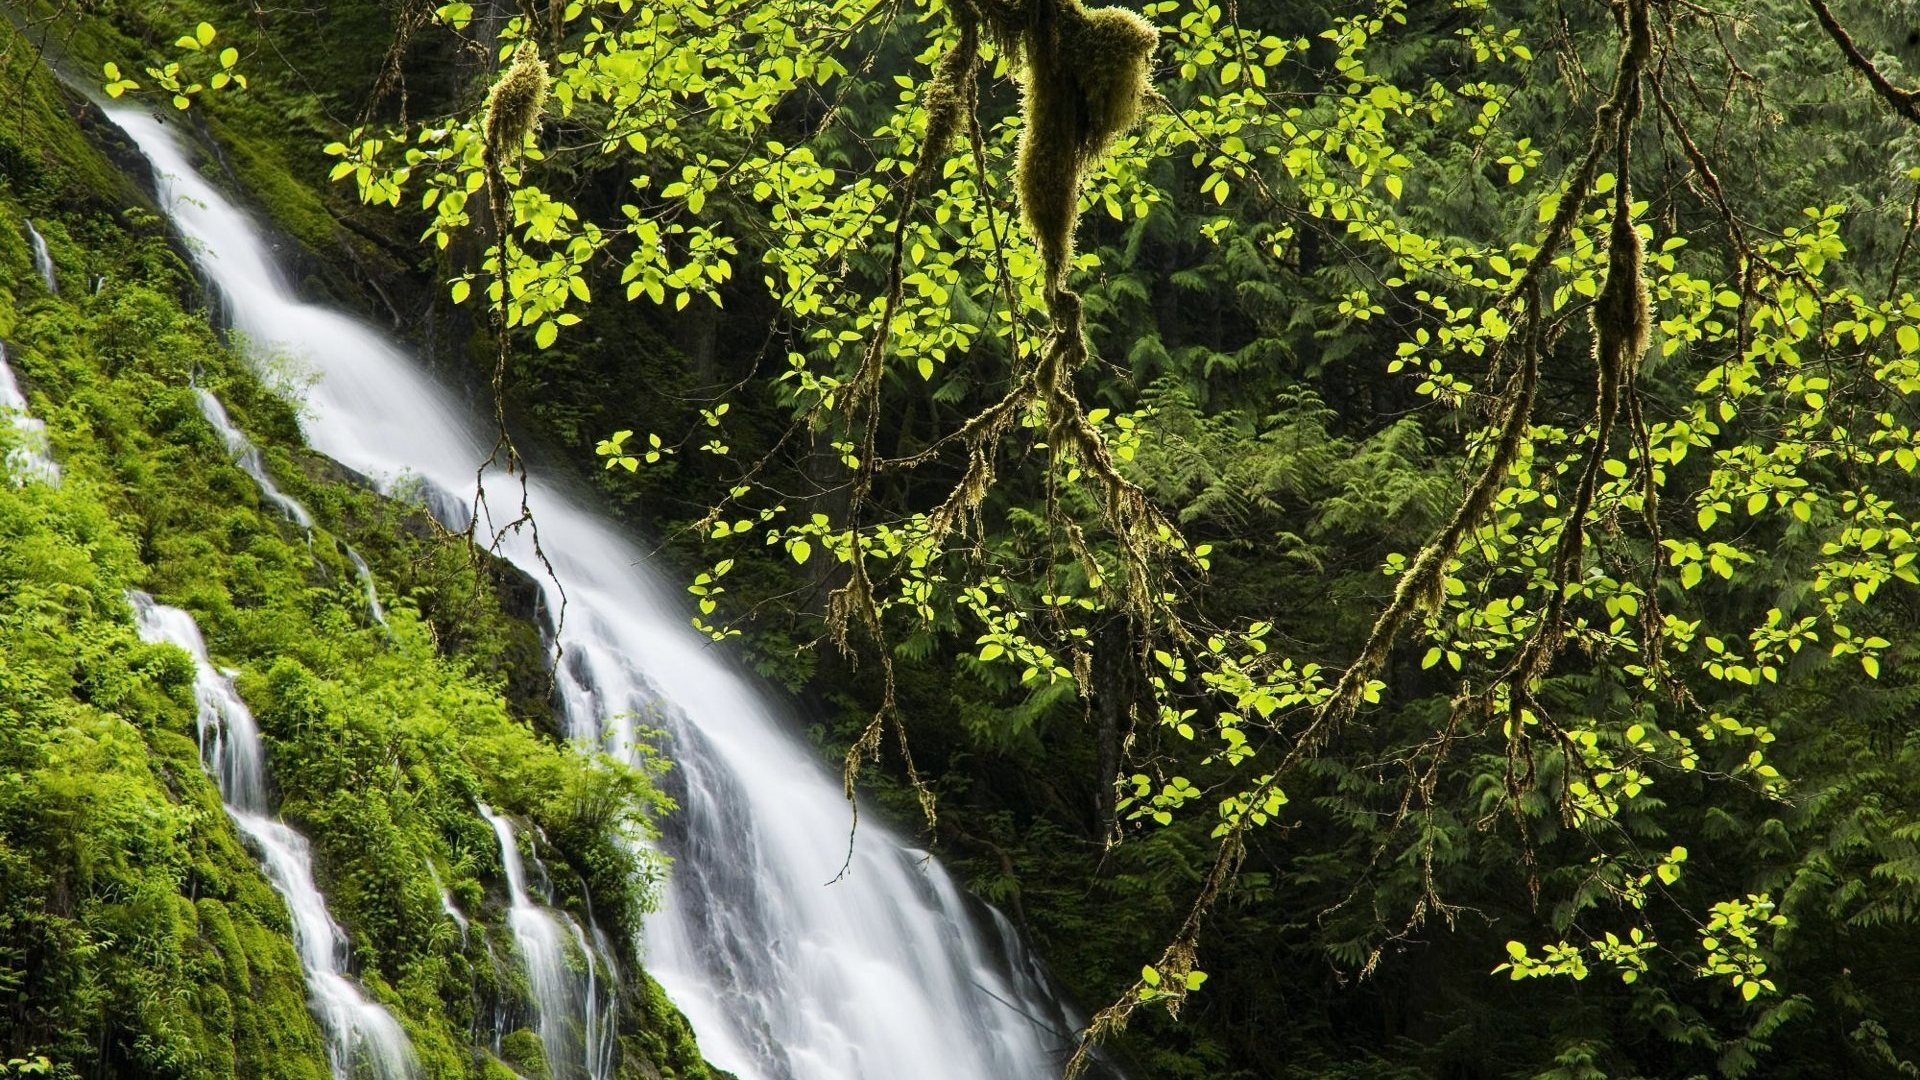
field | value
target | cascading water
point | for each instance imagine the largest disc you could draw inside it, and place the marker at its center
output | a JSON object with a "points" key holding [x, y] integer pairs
{"points": [[360, 1034], [247, 456], [43, 259], [30, 459], [365, 573], [447, 906], [568, 1004], [889, 973]]}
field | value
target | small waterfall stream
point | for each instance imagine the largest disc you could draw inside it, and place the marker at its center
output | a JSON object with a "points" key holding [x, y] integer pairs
{"points": [[891, 973], [567, 1003], [360, 1034], [365, 573], [247, 456], [30, 459], [43, 259], [448, 907]]}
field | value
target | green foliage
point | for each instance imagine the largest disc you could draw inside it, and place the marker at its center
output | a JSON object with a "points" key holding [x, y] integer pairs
{"points": [[179, 81]]}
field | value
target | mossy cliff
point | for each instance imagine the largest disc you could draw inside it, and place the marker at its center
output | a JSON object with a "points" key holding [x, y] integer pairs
{"points": [[137, 937]]}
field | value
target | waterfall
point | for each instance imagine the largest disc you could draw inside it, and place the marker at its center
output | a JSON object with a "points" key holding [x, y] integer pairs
{"points": [[42, 259], [360, 1034], [30, 458], [568, 1012], [247, 456], [447, 906], [365, 573], [889, 973]]}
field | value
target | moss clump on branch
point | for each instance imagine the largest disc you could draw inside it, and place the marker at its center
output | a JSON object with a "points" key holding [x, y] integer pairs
{"points": [[516, 101], [1086, 78], [1623, 312]]}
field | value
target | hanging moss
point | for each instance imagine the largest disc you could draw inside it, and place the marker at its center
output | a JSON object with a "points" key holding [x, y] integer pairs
{"points": [[1085, 82], [515, 102]]}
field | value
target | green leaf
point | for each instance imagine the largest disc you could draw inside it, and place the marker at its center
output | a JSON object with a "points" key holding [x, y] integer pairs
{"points": [[545, 335], [800, 549], [205, 33]]}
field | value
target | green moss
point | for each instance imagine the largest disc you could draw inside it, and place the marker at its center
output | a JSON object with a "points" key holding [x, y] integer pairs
{"points": [[524, 1051], [1085, 82], [515, 102], [492, 1068], [45, 158], [659, 1034]]}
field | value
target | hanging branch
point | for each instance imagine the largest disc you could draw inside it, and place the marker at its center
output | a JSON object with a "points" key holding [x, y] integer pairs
{"points": [[1904, 102], [511, 116], [1420, 586], [1084, 85]]}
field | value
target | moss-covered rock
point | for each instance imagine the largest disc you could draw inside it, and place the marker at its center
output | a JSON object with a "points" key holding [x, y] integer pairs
{"points": [[523, 1050]]}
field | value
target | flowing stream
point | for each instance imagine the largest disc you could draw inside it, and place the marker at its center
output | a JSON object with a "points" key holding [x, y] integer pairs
{"points": [[569, 1002], [888, 974], [362, 1037], [448, 907], [43, 259], [247, 456], [30, 458]]}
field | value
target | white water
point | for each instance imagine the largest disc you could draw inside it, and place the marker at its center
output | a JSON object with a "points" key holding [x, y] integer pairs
{"points": [[365, 573], [30, 458], [568, 1005], [447, 906], [247, 456], [42, 259], [360, 1034], [888, 974]]}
